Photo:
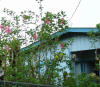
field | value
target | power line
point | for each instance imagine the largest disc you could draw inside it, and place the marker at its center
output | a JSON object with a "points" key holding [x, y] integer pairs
{"points": [[75, 10]]}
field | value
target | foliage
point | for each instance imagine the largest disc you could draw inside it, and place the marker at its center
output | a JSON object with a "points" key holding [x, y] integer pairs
{"points": [[94, 38], [37, 64], [40, 63], [82, 80]]}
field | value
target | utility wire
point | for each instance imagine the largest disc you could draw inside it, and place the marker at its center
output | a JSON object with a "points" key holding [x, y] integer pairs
{"points": [[75, 11]]}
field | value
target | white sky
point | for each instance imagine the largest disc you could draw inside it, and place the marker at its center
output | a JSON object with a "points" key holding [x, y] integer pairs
{"points": [[87, 15]]}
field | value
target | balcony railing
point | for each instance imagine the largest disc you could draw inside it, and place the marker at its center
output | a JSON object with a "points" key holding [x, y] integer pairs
{"points": [[21, 84]]}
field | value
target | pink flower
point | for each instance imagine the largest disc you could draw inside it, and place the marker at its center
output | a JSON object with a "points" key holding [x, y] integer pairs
{"points": [[1, 26], [62, 45], [62, 20], [47, 21], [34, 36], [7, 30], [7, 48]]}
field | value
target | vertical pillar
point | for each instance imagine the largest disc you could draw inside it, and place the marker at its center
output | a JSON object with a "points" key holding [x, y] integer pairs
{"points": [[99, 68], [69, 56]]}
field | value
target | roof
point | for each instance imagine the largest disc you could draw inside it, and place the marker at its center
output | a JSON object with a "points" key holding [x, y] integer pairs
{"points": [[73, 30]]}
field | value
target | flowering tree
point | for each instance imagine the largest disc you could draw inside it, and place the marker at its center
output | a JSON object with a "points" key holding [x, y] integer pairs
{"points": [[33, 64]]}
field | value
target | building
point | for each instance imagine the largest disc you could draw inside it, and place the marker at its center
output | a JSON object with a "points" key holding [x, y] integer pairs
{"points": [[82, 51]]}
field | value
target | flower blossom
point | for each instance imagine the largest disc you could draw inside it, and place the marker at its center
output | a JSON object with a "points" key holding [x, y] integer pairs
{"points": [[7, 30], [62, 20], [34, 36], [47, 21], [62, 45], [56, 57], [1, 26], [13, 38], [7, 47]]}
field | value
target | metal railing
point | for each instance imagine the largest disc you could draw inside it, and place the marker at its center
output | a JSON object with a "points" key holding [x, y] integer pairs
{"points": [[21, 84]]}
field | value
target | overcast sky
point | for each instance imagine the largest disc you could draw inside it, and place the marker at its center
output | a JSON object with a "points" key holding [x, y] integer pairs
{"points": [[87, 15]]}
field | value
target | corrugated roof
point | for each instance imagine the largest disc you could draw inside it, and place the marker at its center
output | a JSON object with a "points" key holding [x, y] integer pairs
{"points": [[73, 30]]}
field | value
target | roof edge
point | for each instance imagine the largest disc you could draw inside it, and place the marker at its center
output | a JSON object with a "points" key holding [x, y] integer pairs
{"points": [[70, 29]]}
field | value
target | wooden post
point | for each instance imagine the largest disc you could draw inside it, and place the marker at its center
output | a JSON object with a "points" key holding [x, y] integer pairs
{"points": [[99, 68]]}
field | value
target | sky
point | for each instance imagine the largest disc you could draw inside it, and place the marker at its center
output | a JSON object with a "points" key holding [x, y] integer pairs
{"points": [[87, 14]]}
